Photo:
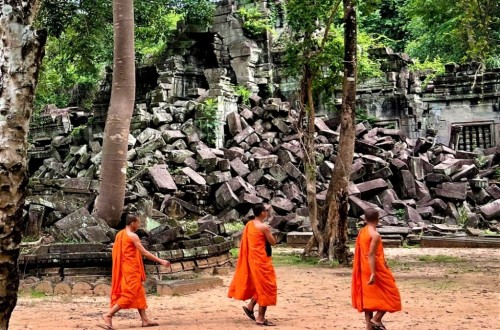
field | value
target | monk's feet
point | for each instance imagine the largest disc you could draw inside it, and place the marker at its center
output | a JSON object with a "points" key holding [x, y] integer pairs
{"points": [[149, 323], [377, 325], [107, 321], [265, 323]]}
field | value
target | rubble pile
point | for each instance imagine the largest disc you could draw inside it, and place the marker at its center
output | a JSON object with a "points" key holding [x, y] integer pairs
{"points": [[417, 184]]}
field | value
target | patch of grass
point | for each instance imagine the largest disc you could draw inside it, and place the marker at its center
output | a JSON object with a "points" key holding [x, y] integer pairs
{"points": [[440, 258], [398, 265], [37, 294], [298, 260], [234, 252], [232, 227]]}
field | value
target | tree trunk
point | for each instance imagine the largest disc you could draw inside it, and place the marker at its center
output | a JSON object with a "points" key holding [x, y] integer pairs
{"points": [[337, 196], [109, 205], [310, 162], [21, 52]]}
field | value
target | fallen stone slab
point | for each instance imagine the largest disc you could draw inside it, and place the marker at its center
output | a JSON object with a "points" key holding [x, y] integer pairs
{"points": [[249, 198], [359, 206], [370, 188], [74, 225], [238, 184], [224, 196], [285, 157], [217, 177], [240, 137], [240, 168], [491, 211], [264, 162], [148, 134], [467, 171], [278, 173], [448, 167], [205, 156], [234, 123], [170, 136], [379, 162], [292, 170], [407, 187], [494, 191], [194, 176], [298, 239], [161, 179], [292, 192], [417, 168], [254, 177], [282, 205], [452, 190], [179, 156], [459, 242], [151, 146]]}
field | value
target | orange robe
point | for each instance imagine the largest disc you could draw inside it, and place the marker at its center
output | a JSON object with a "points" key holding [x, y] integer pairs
{"points": [[128, 274], [383, 295], [254, 276]]}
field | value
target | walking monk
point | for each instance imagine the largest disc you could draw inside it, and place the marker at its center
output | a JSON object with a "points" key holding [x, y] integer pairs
{"points": [[128, 274], [254, 277], [373, 287]]}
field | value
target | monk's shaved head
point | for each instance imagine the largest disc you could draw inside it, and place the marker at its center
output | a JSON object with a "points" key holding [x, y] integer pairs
{"points": [[131, 218], [371, 215]]}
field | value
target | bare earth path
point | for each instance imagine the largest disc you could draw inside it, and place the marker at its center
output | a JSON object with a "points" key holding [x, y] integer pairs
{"points": [[440, 289]]}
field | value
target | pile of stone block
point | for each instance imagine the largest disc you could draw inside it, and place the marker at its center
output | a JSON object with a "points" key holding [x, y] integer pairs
{"points": [[173, 172]]}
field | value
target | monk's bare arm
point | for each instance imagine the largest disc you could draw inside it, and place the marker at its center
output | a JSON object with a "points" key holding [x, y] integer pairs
{"points": [[270, 238], [371, 255], [146, 253]]}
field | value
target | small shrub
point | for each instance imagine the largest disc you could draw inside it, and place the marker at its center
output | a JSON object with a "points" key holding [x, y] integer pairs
{"points": [[400, 213], [254, 21], [244, 93], [481, 161], [208, 122]]}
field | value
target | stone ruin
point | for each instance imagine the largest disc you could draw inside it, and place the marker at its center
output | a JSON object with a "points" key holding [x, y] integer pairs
{"points": [[404, 163]]}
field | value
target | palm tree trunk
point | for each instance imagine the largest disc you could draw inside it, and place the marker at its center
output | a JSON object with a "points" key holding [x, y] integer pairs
{"points": [[109, 205], [21, 53]]}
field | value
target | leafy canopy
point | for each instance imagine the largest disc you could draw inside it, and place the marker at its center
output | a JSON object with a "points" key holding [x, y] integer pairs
{"points": [[80, 42]]}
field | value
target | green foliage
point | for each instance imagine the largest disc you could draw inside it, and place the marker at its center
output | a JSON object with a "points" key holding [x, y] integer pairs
{"points": [[463, 216], [481, 161], [363, 115], [244, 93], [303, 47], [497, 174], [387, 22], [400, 213], [207, 120], [232, 227], [454, 30], [80, 41], [431, 68], [37, 294], [254, 21], [155, 27], [77, 131], [78, 46]]}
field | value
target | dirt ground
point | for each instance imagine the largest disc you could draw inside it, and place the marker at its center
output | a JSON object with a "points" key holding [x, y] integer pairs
{"points": [[440, 289]]}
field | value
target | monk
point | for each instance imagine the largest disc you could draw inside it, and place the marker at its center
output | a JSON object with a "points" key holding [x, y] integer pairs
{"points": [[128, 274], [254, 277], [373, 286]]}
